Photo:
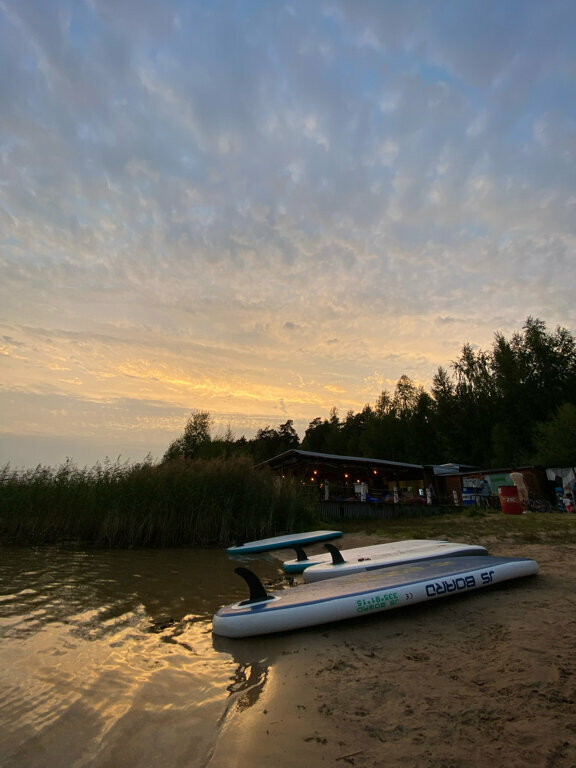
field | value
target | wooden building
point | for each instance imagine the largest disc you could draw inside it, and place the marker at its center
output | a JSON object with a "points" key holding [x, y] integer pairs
{"points": [[358, 486], [353, 477]]}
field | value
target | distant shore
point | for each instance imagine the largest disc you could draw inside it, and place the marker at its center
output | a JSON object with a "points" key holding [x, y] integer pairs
{"points": [[488, 678]]}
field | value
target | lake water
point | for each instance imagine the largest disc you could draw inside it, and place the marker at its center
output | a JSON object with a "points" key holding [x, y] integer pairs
{"points": [[108, 658]]}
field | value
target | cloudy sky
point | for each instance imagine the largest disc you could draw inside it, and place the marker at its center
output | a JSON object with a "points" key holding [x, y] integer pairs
{"points": [[269, 208]]}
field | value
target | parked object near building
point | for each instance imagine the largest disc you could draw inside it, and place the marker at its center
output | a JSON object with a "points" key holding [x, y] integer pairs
{"points": [[509, 500], [518, 480]]}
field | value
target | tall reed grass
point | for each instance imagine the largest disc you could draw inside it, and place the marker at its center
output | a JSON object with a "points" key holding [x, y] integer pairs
{"points": [[178, 503]]}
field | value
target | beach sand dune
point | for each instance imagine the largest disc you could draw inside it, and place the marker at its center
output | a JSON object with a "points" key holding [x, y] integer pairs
{"points": [[485, 679]]}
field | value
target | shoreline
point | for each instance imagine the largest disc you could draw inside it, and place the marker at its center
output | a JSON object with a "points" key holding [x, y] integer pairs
{"points": [[471, 680]]}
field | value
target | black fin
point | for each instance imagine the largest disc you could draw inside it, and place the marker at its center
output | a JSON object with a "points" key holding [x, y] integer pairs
{"points": [[257, 591], [336, 554], [300, 553]]}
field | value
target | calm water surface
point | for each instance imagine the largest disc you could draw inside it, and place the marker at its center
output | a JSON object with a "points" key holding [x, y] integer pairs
{"points": [[108, 657]]}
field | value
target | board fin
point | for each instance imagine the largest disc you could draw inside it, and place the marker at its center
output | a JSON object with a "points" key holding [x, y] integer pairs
{"points": [[257, 592], [300, 553], [336, 554]]}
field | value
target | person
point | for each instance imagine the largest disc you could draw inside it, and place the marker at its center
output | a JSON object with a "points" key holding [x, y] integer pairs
{"points": [[567, 501], [485, 493], [518, 480], [559, 494]]}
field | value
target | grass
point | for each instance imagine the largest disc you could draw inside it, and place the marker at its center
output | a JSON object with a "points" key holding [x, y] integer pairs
{"points": [[473, 527], [180, 503]]}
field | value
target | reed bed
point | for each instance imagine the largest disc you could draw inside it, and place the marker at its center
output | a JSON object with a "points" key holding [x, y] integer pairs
{"points": [[178, 503]]}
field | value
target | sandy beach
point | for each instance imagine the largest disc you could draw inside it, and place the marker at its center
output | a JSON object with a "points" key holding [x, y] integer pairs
{"points": [[483, 679]]}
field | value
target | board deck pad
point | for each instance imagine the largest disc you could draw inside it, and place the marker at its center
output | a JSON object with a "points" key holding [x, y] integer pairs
{"points": [[361, 561], [368, 592], [282, 542]]}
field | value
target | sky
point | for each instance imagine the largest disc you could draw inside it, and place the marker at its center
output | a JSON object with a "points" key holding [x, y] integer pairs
{"points": [[267, 209]]}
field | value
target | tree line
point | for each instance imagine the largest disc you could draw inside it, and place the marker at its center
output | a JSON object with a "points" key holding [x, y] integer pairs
{"points": [[514, 404]]}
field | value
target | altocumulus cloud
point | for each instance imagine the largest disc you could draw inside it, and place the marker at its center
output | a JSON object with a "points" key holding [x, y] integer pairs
{"points": [[268, 209]]}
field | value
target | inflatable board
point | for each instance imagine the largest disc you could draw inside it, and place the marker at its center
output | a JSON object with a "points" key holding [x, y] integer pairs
{"points": [[360, 594], [282, 542], [342, 563]]}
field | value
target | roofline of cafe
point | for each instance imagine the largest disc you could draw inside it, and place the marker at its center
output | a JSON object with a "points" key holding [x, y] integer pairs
{"points": [[295, 457]]}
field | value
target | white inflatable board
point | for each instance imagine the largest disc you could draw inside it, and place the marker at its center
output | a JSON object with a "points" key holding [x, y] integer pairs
{"points": [[356, 561], [386, 549], [282, 542], [362, 593]]}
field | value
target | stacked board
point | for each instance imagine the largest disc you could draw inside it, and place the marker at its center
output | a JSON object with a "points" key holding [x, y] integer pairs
{"points": [[362, 593], [392, 549], [282, 542], [385, 556]]}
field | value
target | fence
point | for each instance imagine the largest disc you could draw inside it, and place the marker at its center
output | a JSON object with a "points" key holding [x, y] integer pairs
{"points": [[351, 510]]}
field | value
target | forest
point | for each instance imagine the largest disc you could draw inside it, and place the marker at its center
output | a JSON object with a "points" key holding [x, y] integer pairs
{"points": [[513, 404]]}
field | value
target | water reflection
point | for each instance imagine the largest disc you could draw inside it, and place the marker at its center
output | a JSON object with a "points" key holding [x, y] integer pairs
{"points": [[254, 657], [249, 681], [109, 660]]}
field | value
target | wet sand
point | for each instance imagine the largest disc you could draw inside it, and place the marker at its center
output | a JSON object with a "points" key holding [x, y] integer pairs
{"points": [[482, 679]]}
